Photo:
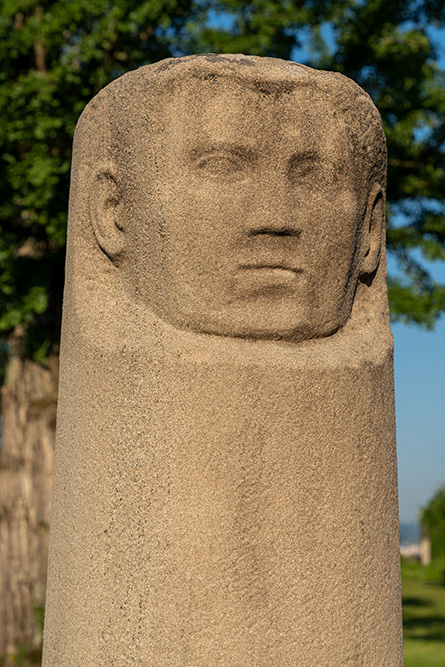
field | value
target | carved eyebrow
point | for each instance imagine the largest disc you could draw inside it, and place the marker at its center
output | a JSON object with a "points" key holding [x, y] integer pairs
{"points": [[238, 151]]}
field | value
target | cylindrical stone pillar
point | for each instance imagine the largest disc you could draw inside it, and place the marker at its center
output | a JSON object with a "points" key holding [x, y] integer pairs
{"points": [[226, 486]]}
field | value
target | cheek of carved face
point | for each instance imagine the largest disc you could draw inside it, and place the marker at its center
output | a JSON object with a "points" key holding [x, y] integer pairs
{"points": [[259, 222]]}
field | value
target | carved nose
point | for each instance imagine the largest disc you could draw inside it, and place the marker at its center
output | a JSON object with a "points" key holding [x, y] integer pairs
{"points": [[272, 212], [276, 245]]}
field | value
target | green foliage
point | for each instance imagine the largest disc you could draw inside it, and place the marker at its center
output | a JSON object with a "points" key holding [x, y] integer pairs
{"points": [[57, 55], [423, 614], [433, 517]]}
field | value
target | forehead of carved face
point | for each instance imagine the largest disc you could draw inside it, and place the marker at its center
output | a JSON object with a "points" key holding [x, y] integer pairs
{"points": [[257, 218]]}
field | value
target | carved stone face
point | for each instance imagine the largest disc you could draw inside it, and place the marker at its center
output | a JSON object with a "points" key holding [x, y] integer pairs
{"points": [[259, 215]]}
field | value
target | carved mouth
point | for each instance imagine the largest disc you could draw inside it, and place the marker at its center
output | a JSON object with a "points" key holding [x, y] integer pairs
{"points": [[263, 277], [267, 231], [283, 268]]}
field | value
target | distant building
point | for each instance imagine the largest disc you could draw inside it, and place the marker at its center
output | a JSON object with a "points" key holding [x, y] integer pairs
{"points": [[410, 551], [425, 547], [415, 543]]}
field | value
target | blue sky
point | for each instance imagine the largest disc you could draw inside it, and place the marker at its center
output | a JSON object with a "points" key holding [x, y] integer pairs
{"points": [[419, 364]]}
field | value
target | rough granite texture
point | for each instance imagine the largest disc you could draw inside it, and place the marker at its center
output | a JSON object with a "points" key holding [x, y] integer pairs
{"points": [[225, 487]]}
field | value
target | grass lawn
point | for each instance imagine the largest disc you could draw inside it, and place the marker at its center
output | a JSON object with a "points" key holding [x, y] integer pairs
{"points": [[423, 614]]}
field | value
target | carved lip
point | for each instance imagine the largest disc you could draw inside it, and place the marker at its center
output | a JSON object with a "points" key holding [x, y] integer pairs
{"points": [[271, 267], [265, 276]]}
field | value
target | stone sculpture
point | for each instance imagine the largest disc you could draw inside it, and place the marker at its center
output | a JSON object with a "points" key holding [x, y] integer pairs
{"points": [[225, 487]]}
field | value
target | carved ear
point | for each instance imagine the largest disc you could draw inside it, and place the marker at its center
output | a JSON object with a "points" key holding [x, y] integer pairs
{"points": [[105, 200], [373, 228]]}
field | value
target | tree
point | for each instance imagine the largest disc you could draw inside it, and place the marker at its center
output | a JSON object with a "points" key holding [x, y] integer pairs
{"points": [[433, 518], [57, 55]]}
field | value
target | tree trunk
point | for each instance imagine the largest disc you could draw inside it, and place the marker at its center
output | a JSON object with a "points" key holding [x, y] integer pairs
{"points": [[26, 468]]}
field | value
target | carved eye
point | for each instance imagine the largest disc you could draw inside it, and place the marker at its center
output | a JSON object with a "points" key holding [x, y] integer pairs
{"points": [[301, 166], [222, 165]]}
